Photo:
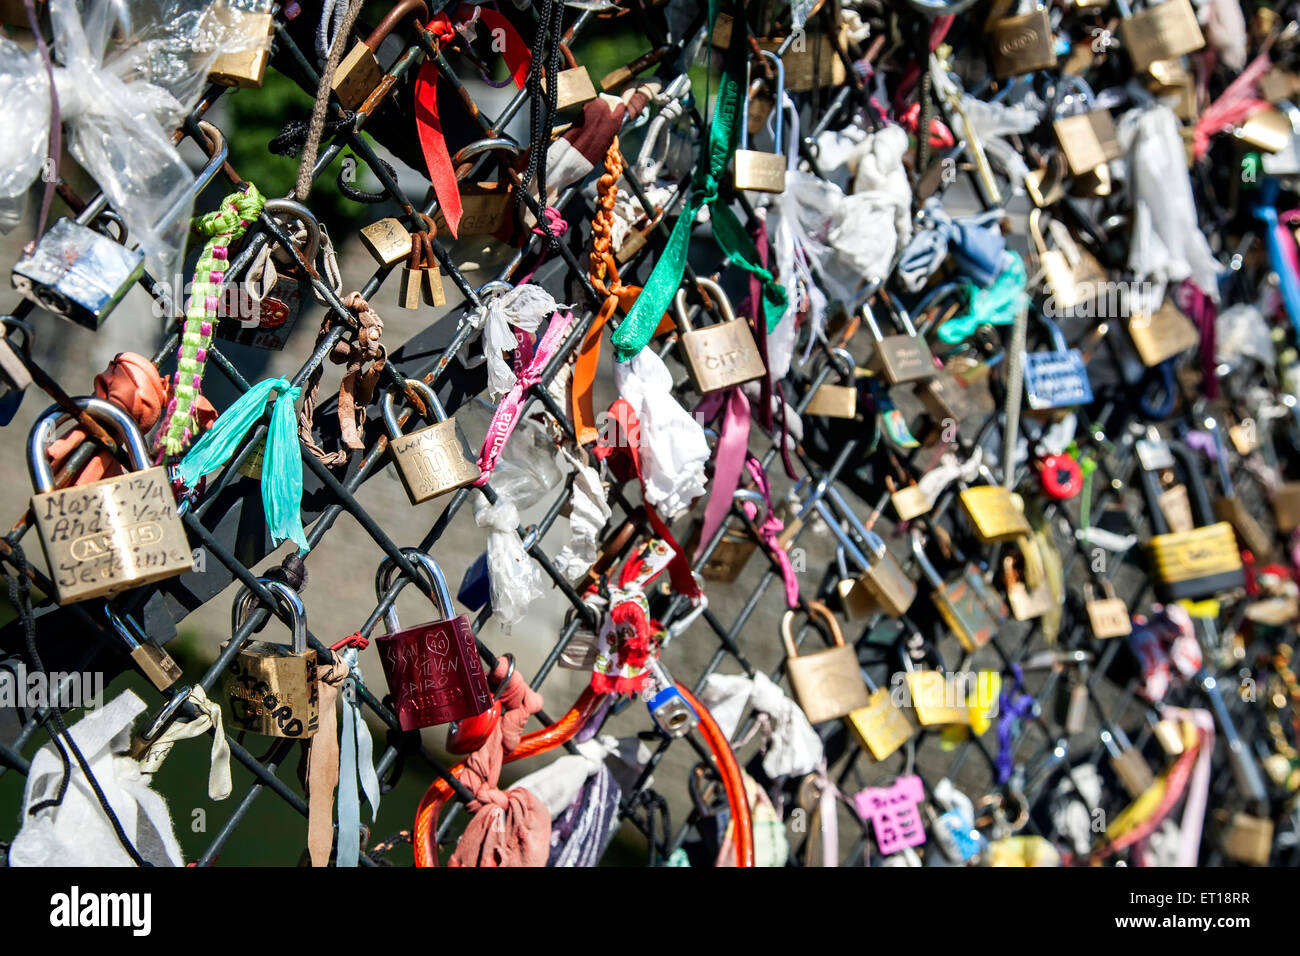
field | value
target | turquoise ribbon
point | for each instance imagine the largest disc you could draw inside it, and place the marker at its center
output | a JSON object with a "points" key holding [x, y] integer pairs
{"points": [[356, 766], [639, 326], [281, 462], [997, 305]]}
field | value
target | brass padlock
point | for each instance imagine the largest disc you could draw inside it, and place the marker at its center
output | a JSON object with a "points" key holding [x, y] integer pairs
{"points": [[891, 590], [263, 310], [1107, 616], [359, 73], [246, 68], [410, 293], [1023, 43], [1071, 278], [899, 358], [1161, 31], [154, 662], [1088, 140], [828, 683], [486, 207], [387, 240], [1229, 506], [431, 461], [937, 699], [995, 514], [945, 399], [832, 400], [573, 86], [1160, 336], [1246, 838], [755, 169], [735, 547], [968, 605], [717, 356], [1286, 506], [1193, 564], [271, 688], [881, 727], [1026, 603], [109, 535]]}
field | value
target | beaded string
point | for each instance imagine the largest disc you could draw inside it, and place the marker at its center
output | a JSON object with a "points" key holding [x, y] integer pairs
{"points": [[222, 229]]}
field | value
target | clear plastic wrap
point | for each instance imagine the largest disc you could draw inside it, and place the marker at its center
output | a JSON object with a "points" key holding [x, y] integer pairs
{"points": [[127, 75]]}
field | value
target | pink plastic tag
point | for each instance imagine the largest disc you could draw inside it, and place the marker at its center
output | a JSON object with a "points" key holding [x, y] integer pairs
{"points": [[895, 813]]}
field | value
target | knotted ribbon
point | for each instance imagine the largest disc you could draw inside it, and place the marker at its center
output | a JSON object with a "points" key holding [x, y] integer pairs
{"points": [[281, 465]]}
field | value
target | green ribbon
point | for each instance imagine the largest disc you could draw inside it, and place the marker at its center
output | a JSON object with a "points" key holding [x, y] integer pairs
{"points": [[999, 304], [281, 461], [637, 329]]}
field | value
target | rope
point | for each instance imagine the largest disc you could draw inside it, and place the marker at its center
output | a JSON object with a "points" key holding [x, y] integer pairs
{"points": [[308, 163]]}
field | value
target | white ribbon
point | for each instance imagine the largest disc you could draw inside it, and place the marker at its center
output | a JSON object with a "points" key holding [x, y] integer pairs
{"points": [[356, 766], [524, 307], [791, 745], [209, 718], [515, 578], [119, 125], [1167, 245], [589, 511], [673, 448]]}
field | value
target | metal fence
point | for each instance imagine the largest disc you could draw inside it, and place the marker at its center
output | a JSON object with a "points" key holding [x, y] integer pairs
{"points": [[1042, 752]]}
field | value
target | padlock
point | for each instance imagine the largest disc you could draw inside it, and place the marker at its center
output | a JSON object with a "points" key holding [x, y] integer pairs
{"points": [[937, 699], [573, 86], [721, 355], [1127, 761], [1057, 378], [910, 501], [945, 399], [1246, 838], [469, 734], [735, 548], [1161, 335], [154, 662], [359, 73], [421, 276], [433, 460], [1194, 564], [387, 240], [246, 68], [1087, 136], [832, 400], [881, 727], [828, 683], [755, 169], [971, 608], [1228, 505], [1107, 616], [1026, 603], [1286, 506], [486, 207], [1160, 31], [669, 709], [433, 670], [1061, 475], [78, 273], [891, 590], [271, 688], [277, 291], [1024, 43], [856, 601], [1072, 278], [899, 358], [113, 534], [995, 514]]}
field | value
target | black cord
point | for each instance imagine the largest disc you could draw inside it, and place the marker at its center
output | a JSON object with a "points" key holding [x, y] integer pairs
{"points": [[20, 594], [542, 107], [293, 135]]}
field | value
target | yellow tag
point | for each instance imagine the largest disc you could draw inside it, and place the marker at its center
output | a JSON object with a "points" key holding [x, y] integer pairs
{"points": [[984, 707], [1206, 610]]}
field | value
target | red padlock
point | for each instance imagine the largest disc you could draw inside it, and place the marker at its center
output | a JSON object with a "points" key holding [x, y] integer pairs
{"points": [[433, 669], [468, 735], [1061, 476]]}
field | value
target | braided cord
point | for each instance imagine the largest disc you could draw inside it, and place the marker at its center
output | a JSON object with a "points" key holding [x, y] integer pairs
{"points": [[222, 229]]}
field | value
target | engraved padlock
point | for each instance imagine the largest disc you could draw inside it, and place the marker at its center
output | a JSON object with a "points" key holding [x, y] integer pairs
{"points": [[271, 688], [1087, 135], [109, 535], [1024, 43], [717, 356], [77, 272], [359, 73], [263, 309], [899, 358], [573, 86], [432, 460], [244, 68], [755, 169], [387, 240], [1160, 31], [828, 683], [486, 207], [433, 669]]}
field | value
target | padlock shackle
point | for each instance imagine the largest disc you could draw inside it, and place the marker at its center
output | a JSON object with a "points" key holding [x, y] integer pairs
{"points": [[777, 138], [897, 311], [490, 145], [292, 209], [874, 542], [436, 580], [1196, 480], [38, 466], [869, 317], [1036, 232], [388, 404], [841, 536], [288, 600], [927, 566], [395, 16], [816, 609], [714, 291]]}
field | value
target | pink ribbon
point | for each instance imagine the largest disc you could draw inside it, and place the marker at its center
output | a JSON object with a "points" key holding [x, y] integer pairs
{"points": [[770, 530], [506, 417], [728, 460], [1234, 104]]}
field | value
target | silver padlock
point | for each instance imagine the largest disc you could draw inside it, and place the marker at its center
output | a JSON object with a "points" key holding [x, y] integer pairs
{"points": [[668, 708], [262, 310], [78, 273]]}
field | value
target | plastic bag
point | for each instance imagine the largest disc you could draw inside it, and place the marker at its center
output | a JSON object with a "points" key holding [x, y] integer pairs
{"points": [[130, 73]]}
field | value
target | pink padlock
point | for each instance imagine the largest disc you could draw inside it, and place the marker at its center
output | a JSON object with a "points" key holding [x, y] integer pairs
{"points": [[895, 813]]}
